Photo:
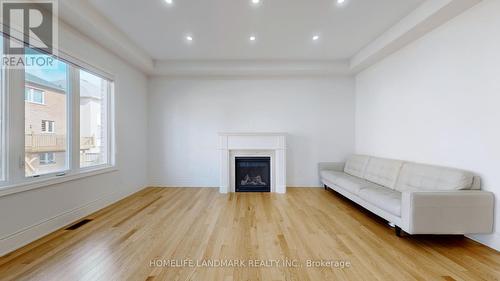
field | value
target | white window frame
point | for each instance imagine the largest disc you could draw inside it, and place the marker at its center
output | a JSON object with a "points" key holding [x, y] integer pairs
{"points": [[31, 95], [47, 160], [14, 180], [49, 128]]}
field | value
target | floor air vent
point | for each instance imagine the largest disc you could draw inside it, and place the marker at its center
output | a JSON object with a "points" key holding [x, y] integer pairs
{"points": [[78, 224]]}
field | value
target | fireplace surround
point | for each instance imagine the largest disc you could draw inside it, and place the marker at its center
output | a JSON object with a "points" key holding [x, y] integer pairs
{"points": [[233, 146]]}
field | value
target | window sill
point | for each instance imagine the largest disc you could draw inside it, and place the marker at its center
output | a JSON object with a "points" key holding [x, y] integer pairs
{"points": [[26, 186]]}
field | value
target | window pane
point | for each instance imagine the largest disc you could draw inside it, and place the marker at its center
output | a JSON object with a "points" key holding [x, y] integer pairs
{"points": [[47, 100], [37, 96], [46, 158], [93, 119]]}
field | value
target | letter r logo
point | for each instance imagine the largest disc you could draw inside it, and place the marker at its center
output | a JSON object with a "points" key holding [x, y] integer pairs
{"points": [[31, 22]]}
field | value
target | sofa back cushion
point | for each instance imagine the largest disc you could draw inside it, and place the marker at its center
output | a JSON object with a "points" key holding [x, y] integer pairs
{"points": [[383, 171], [414, 177], [356, 165]]}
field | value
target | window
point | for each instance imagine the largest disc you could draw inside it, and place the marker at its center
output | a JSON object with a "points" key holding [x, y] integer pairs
{"points": [[48, 126], [46, 158], [54, 96], [62, 112], [94, 100], [34, 95]]}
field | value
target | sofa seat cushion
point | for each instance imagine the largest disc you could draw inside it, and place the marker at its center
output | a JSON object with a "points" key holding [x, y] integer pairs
{"points": [[383, 171], [345, 181], [356, 165], [386, 199], [421, 177]]}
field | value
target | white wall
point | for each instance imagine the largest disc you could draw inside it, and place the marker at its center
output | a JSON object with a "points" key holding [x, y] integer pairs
{"points": [[438, 100], [186, 115], [28, 215]]}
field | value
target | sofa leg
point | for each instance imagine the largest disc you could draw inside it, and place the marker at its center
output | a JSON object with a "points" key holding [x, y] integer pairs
{"points": [[325, 186], [398, 231]]}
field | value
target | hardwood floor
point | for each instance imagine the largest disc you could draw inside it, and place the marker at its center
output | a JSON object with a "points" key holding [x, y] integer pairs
{"points": [[188, 225]]}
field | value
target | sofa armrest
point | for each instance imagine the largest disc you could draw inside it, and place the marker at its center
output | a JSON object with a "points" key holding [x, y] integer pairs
{"points": [[334, 166], [447, 212]]}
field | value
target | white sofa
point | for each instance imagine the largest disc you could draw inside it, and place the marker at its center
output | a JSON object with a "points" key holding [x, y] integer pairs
{"points": [[417, 198]]}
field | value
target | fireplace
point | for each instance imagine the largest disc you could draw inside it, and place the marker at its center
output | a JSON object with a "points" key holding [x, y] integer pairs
{"points": [[253, 174], [271, 146]]}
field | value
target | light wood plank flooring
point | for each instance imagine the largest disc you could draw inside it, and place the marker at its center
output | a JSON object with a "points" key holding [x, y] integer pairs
{"points": [[195, 225]]}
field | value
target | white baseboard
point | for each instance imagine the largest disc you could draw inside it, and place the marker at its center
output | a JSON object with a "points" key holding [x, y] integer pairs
{"points": [[25, 236], [490, 240]]}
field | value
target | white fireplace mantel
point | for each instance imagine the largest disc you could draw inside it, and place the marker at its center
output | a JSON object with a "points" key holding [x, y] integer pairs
{"points": [[232, 145]]}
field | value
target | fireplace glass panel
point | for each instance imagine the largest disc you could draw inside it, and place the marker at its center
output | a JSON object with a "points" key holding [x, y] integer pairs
{"points": [[253, 174]]}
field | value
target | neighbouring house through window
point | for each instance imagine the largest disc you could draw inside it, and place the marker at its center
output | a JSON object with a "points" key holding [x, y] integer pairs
{"points": [[34, 95], [47, 86], [94, 131], [77, 99], [46, 158], [48, 126]]}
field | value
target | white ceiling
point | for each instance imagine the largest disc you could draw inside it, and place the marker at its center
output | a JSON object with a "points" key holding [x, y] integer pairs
{"points": [[283, 28]]}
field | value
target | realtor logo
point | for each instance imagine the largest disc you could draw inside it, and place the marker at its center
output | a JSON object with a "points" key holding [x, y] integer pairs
{"points": [[28, 23]]}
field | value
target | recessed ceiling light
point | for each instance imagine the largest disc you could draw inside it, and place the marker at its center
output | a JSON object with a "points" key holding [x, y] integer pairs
{"points": [[189, 38], [340, 2], [170, 2], [315, 38], [255, 2], [252, 38]]}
